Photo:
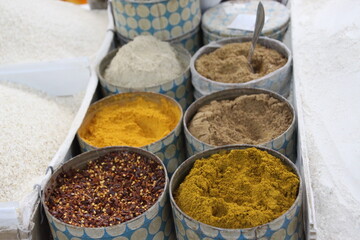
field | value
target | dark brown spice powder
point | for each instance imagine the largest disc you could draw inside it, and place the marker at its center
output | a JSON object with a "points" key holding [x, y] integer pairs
{"points": [[113, 189]]}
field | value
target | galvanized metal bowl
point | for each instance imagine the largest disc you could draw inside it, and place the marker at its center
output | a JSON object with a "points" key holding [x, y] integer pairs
{"points": [[277, 81], [285, 143], [169, 148], [156, 221], [179, 88], [287, 226]]}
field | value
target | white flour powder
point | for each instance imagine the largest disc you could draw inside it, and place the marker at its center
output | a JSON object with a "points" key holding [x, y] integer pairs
{"points": [[32, 129], [43, 30], [326, 48], [144, 62]]}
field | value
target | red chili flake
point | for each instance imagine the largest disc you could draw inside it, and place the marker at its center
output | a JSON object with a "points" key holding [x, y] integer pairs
{"points": [[112, 189]]}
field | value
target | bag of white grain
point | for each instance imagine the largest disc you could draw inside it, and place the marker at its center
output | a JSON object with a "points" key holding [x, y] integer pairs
{"points": [[37, 132]]}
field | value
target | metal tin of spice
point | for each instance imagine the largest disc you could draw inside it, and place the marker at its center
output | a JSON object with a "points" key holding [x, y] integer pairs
{"points": [[165, 19], [180, 88], [277, 81], [169, 149], [287, 226], [210, 37], [285, 143], [190, 41], [153, 223], [216, 20]]}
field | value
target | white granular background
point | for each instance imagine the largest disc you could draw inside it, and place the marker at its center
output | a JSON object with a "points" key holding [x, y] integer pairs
{"points": [[44, 30], [326, 48], [33, 127]]}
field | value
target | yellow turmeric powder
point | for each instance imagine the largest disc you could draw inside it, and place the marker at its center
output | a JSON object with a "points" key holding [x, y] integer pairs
{"points": [[135, 123], [238, 189]]}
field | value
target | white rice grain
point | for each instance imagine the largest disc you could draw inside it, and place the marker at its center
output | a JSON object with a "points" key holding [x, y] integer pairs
{"points": [[44, 30], [33, 126]]}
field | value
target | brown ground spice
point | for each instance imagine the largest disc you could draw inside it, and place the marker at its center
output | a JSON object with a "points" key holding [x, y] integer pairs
{"points": [[228, 64], [248, 119]]}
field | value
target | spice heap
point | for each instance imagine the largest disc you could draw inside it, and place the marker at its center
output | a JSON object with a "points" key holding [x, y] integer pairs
{"points": [[238, 189], [133, 123], [248, 119], [228, 64], [110, 190], [33, 127], [144, 62]]}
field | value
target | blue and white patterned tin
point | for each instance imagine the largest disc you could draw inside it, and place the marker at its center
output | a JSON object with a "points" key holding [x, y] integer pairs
{"points": [[180, 88], [155, 223], [169, 149], [210, 37], [288, 226], [277, 81], [216, 20], [164, 19], [191, 41], [285, 143]]}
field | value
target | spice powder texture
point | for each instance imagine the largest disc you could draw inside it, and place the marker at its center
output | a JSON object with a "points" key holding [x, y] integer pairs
{"points": [[248, 119], [112, 189], [134, 123], [228, 64], [238, 189]]}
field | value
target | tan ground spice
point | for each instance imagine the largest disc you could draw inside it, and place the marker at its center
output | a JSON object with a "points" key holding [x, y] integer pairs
{"points": [[228, 64], [248, 119]]}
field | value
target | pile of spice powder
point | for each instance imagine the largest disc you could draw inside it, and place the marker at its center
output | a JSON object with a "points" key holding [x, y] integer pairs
{"points": [[144, 62], [133, 123], [112, 189], [248, 119], [228, 64], [238, 189]]}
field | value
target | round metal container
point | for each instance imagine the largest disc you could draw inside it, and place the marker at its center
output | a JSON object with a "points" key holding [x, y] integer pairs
{"points": [[164, 19], [277, 81], [155, 222], [287, 226], [191, 41], [216, 21], [210, 37], [180, 88], [284, 143], [169, 149]]}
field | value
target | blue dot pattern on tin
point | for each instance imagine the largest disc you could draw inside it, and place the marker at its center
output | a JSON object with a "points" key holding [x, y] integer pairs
{"points": [[180, 89], [165, 19], [288, 226], [209, 37], [216, 20], [285, 144], [190, 41], [169, 149], [156, 223]]}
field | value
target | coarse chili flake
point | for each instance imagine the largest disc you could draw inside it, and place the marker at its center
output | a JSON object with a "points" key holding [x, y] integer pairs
{"points": [[110, 190]]}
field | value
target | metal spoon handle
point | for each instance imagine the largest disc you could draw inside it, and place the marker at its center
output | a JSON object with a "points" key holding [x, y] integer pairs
{"points": [[259, 24]]}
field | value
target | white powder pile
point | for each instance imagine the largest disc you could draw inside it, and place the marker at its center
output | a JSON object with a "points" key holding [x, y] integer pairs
{"points": [[44, 30], [33, 127], [326, 49], [144, 62]]}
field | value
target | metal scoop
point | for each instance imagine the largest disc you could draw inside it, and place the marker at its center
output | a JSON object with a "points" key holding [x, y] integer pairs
{"points": [[259, 24]]}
